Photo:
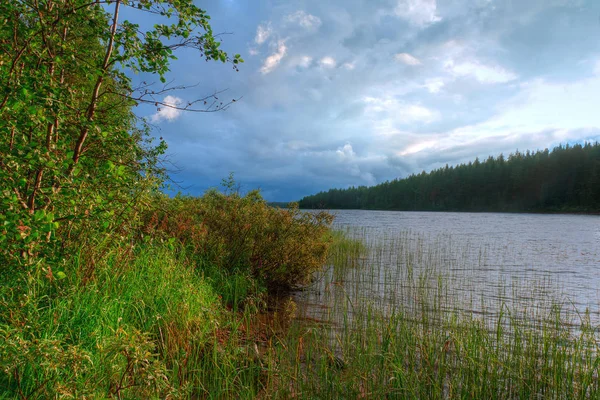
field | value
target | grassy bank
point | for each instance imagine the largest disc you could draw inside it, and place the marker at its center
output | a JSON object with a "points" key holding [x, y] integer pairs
{"points": [[161, 319], [171, 308]]}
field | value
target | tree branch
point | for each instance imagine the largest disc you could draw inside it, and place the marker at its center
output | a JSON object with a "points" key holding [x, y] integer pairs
{"points": [[94, 100]]}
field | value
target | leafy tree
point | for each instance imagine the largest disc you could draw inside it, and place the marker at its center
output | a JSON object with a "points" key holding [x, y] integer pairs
{"points": [[73, 156]]}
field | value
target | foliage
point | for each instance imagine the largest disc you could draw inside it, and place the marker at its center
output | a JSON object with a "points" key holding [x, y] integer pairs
{"points": [[280, 247], [564, 179], [40, 367], [397, 324], [90, 305], [73, 157], [120, 335]]}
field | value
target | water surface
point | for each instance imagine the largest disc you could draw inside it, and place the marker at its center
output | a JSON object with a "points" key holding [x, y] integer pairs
{"points": [[485, 260]]}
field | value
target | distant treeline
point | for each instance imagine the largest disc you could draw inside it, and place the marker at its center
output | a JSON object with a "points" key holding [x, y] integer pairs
{"points": [[279, 204], [564, 179]]}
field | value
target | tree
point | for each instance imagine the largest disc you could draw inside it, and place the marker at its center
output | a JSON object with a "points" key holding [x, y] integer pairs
{"points": [[564, 180], [73, 155]]}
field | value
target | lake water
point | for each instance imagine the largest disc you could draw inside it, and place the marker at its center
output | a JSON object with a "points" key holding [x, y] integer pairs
{"points": [[485, 260]]}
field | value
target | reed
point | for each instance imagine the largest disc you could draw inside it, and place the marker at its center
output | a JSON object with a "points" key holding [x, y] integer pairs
{"points": [[397, 322]]}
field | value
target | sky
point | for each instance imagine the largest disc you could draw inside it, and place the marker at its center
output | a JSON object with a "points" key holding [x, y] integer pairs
{"points": [[342, 93]]}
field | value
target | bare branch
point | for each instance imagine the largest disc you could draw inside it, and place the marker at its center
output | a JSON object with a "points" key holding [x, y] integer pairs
{"points": [[211, 103]]}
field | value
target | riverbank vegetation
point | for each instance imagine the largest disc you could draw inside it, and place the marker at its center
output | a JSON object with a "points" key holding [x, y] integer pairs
{"points": [[110, 289], [402, 321], [566, 179], [384, 319], [168, 313]]}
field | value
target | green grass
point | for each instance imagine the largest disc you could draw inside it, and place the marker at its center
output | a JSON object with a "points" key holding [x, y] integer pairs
{"points": [[381, 321], [137, 317]]}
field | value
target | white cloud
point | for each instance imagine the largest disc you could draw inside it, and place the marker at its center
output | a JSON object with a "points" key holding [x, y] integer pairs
{"points": [[349, 66], [305, 20], [302, 61], [253, 51], [167, 111], [543, 114], [305, 61], [461, 60], [415, 112], [263, 32], [346, 151], [274, 59], [417, 147], [328, 62], [419, 12], [543, 106], [407, 59], [481, 72], [388, 112], [434, 85], [353, 164]]}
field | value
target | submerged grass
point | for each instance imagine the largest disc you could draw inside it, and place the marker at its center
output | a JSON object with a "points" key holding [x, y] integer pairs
{"points": [[385, 319]]}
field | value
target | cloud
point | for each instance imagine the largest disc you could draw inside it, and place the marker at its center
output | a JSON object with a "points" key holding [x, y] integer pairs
{"points": [[345, 152], [388, 114], [303, 19], [418, 147], [418, 12], [415, 112], [168, 112], [302, 61], [481, 72], [472, 59], [327, 62], [407, 59], [263, 32], [434, 85], [354, 165], [274, 59], [541, 114], [306, 125], [543, 105]]}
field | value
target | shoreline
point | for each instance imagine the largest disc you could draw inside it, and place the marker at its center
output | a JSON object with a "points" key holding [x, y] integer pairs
{"points": [[594, 213]]}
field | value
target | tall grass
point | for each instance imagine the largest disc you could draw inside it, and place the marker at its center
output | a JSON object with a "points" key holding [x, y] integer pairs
{"points": [[397, 323], [145, 327], [384, 319]]}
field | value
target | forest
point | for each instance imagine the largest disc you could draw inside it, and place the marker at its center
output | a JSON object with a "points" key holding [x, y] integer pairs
{"points": [[565, 179]]}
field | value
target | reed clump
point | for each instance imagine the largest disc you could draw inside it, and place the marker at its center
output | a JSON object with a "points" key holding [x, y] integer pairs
{"points": [[397, 324]]}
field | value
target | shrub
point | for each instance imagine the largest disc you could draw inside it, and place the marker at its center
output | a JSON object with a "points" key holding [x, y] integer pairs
{"points": [[280, 247]]}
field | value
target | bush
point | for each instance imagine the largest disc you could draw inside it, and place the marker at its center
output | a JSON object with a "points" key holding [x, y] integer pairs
{"points": [[280, 247]]}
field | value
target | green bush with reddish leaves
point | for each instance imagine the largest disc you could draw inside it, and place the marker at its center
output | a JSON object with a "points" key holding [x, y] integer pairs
{"points": [[280, 247]]}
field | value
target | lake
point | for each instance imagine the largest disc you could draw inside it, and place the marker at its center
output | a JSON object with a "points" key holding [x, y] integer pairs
{"points": [[477, 263]]}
